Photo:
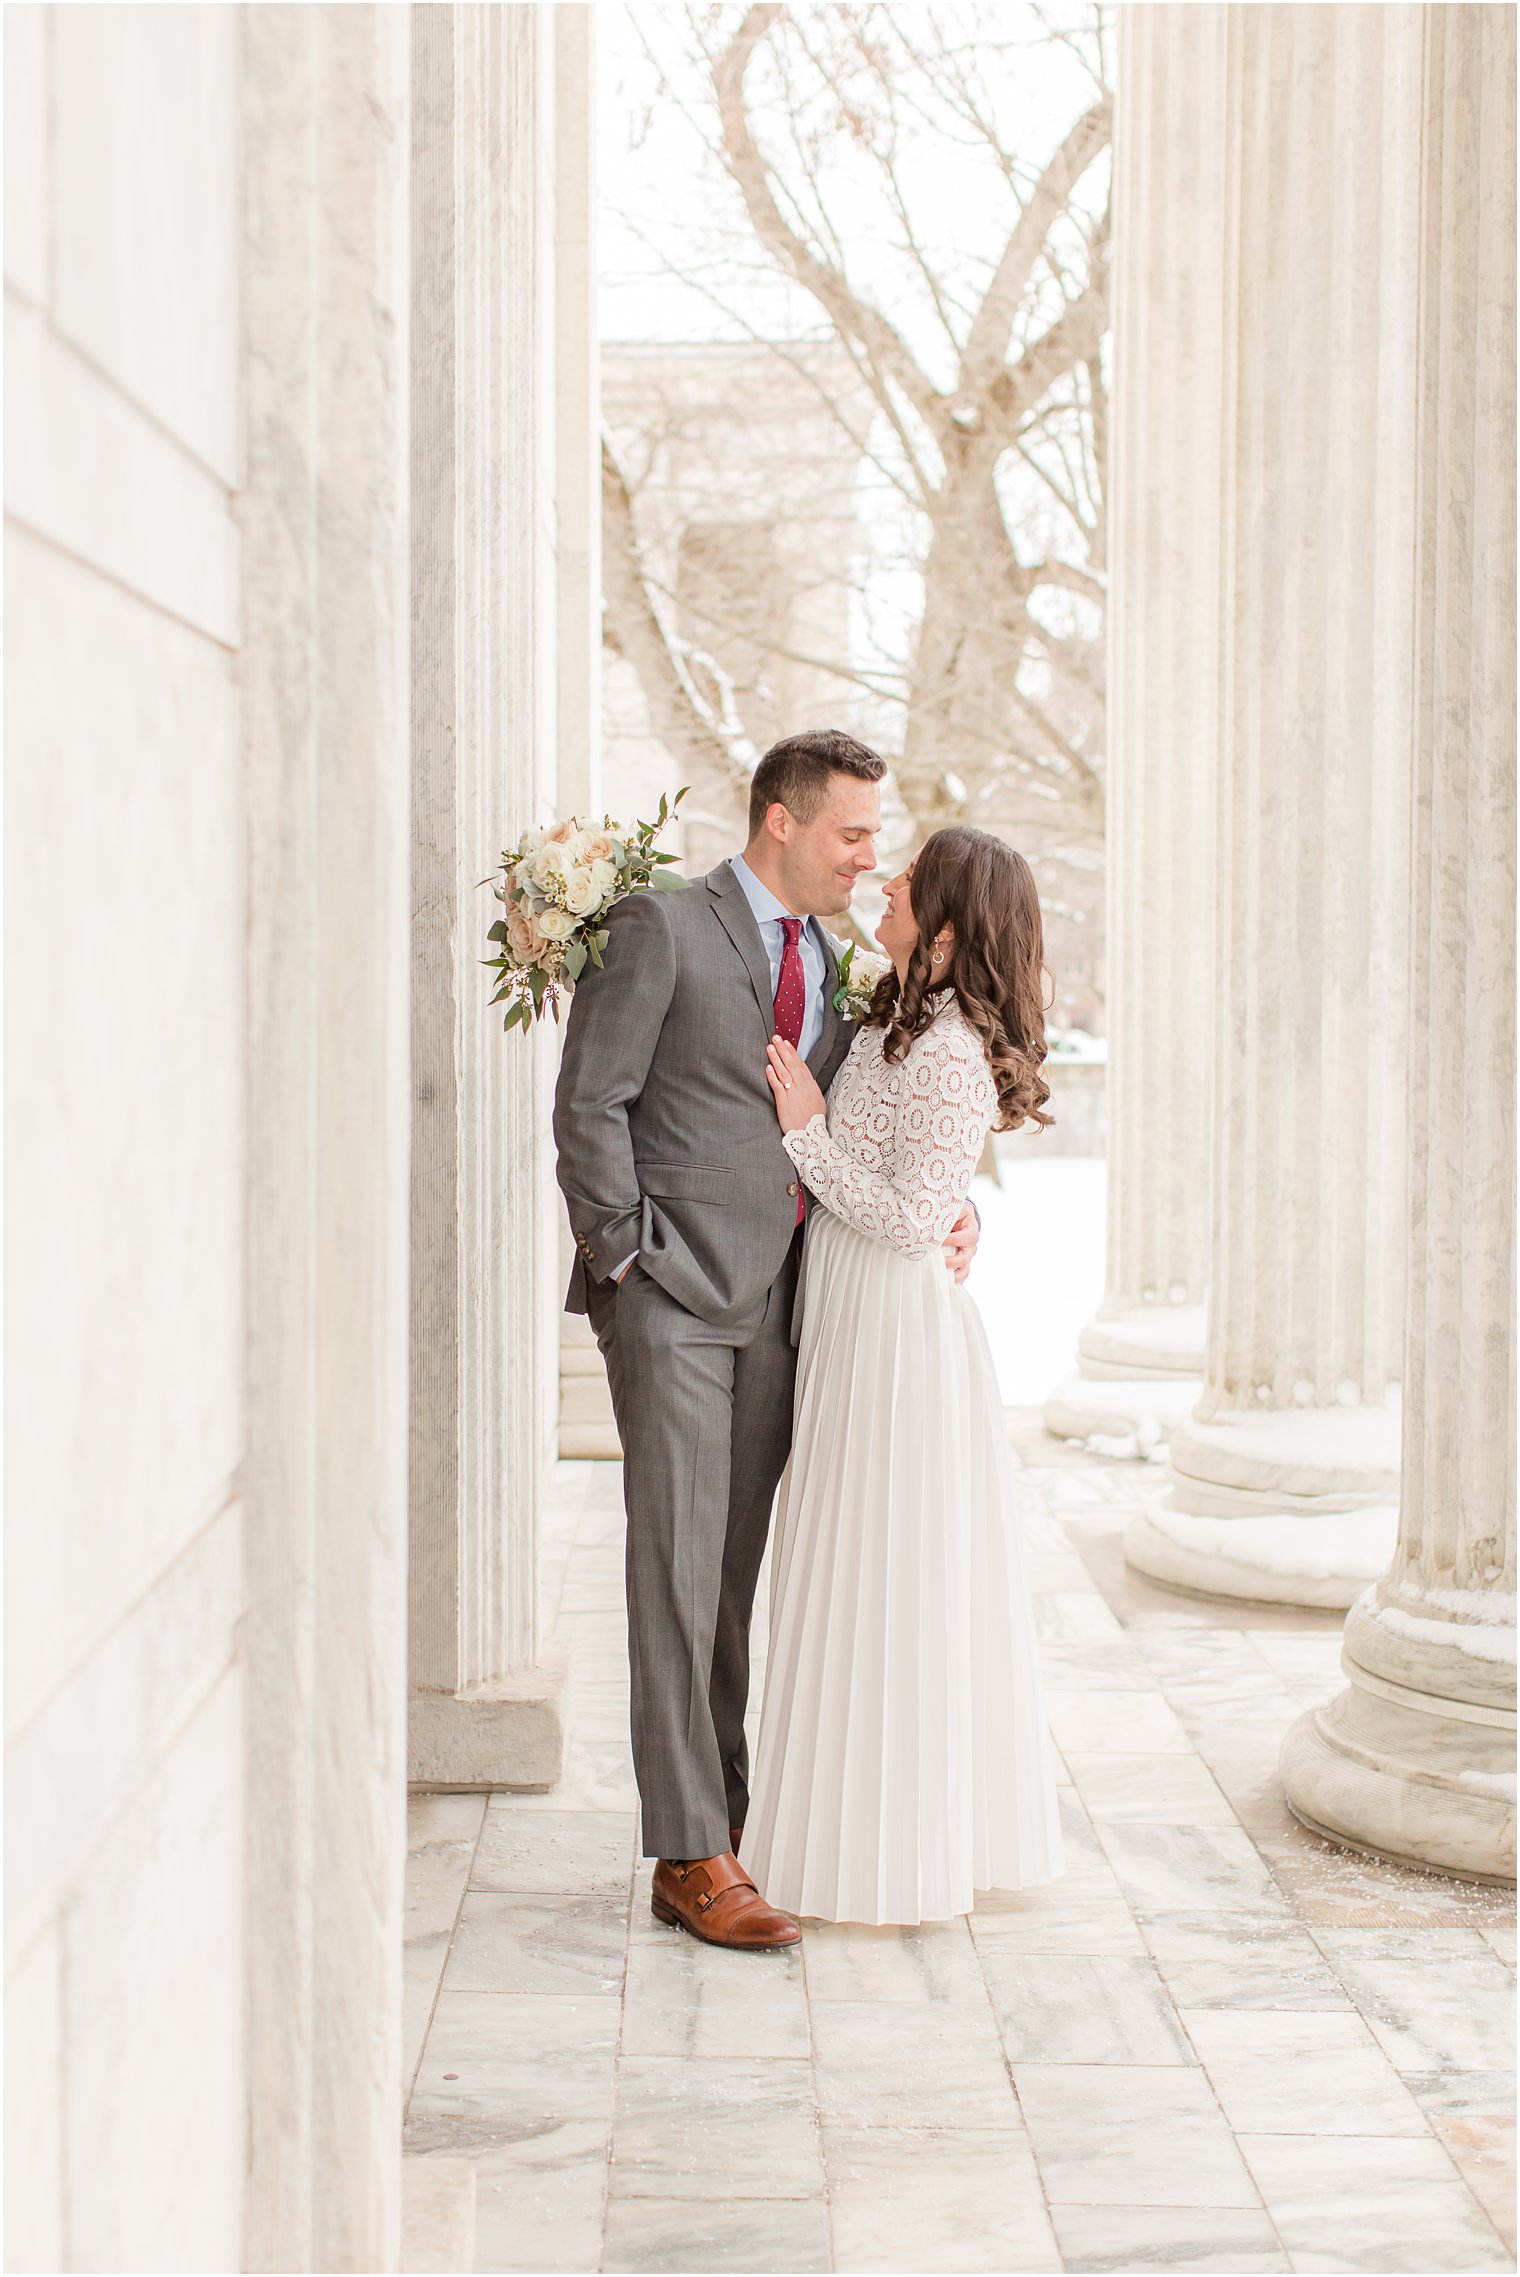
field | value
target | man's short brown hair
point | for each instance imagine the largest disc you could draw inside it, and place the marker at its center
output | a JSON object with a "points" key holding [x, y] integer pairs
{"points": [[795, 773]]}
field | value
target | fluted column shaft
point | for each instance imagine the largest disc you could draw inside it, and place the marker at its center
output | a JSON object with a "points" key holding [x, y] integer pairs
{"points": [[1299, 1409], [1416, 1758], [1164, 478], [484, 1711]]}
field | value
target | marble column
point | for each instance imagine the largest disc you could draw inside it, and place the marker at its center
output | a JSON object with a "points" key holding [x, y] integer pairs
{"points": [[1281, 1482], [1140, 1358], [323, 671], [486, 1707], [1416, 1758]]}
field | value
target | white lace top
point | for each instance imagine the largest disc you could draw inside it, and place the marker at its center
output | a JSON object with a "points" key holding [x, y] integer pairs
{"points": [[896, 1154]]}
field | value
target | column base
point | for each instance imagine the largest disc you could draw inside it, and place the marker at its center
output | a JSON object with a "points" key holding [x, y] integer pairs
{"points": [[1322, 1561], [1129, 1416], [510, 1734], [1147, 1341], [1411, 1779]]}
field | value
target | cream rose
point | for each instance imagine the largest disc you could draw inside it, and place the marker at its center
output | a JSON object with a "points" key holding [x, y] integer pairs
{"points": [[556, 924], [523, 937], [599, 846], [586, 887]]}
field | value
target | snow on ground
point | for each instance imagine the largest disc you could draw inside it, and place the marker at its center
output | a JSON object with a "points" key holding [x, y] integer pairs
{"points": [[1038, 1274]]}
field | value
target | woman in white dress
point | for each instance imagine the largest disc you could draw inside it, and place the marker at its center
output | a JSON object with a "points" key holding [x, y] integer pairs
{"points": [[904, 1759]]}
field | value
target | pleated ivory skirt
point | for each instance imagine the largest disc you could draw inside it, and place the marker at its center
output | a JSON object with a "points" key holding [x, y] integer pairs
{"points": [[904, 1759]]}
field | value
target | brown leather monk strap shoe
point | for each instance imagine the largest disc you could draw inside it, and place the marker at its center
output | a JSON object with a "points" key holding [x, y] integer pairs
{"points": [[715, 1900]]}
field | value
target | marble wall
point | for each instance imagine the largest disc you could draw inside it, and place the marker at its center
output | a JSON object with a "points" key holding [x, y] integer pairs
{"points": [[125, 1131], [206, 320]]}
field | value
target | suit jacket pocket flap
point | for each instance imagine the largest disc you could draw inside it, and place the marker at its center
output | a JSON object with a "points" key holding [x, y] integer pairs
{"points": [[684, 1181]]}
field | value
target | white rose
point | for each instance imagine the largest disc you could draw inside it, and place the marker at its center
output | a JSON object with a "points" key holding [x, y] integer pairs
{"points": [[530, 841], [549, 866], [556, 924], [582, 890]]}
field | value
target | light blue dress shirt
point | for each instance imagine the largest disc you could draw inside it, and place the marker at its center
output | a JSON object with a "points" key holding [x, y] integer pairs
{"points": [[768, 913]]}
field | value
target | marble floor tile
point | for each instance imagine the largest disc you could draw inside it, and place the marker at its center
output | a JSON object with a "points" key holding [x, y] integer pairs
{"points": [[1460, 2094], [1093, 1665], [1302, 2072], [1116, 1723], [853, 1961], [1050, 1572], [422, 1964], [437, 2214], [1501, 1935], [1243, 1760], [684, 1998], [1082, 2008], [554, 1853], [1048, 1921], [1337, 1888], [1303, 1656], [1169, 2238], [1173, 1869], [1482, 2148], [1080, 1485], [598, 1776], [1371, 2203], [1438, 1999], [714, 2130], [1130, 2135], [1239, 1960], [1163, 1789], [540, 2188], [563, 1945], [521, 2056], [753, 2234], [910, 2065], [447, 1819], [1075, 1617], [435, 1887], [920, 2201], [1212, 1687]]}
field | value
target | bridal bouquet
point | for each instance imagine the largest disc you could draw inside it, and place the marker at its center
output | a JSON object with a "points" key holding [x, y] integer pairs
{"points": [[859, 971], [556, 887]]}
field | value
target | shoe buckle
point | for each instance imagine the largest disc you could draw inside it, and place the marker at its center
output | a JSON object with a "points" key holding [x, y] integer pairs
{"points": [[704, 1900]]}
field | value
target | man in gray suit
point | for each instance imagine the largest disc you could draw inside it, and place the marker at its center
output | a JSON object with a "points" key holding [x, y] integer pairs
{"points": [[687, 1221]]}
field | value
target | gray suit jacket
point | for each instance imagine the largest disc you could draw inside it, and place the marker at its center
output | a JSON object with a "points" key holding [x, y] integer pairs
{"points": [[664, 1123]]}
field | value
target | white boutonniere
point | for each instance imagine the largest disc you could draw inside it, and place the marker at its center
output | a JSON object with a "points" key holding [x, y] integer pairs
{"points": [[859, 971]]}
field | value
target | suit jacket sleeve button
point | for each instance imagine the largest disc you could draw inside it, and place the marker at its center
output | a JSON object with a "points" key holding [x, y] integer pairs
{"points": [[793, 1187]]}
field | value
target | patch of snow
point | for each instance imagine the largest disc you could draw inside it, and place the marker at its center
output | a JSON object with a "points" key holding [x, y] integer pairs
{"points": [[1498, 1783], [1478, 1639], [1358, 1543], [1362, 1438], [1160, 1400], [1495, 1605]]}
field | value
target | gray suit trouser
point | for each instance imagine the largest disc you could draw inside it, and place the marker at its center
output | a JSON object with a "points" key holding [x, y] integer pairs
{"points": [[705, 1418]]}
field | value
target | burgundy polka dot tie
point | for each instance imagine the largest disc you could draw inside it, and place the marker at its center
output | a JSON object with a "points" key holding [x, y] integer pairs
{"points": [[791, 1002]]}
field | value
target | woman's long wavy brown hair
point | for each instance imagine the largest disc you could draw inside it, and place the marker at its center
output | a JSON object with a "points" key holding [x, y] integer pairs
{"points": [[971, 881]]}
